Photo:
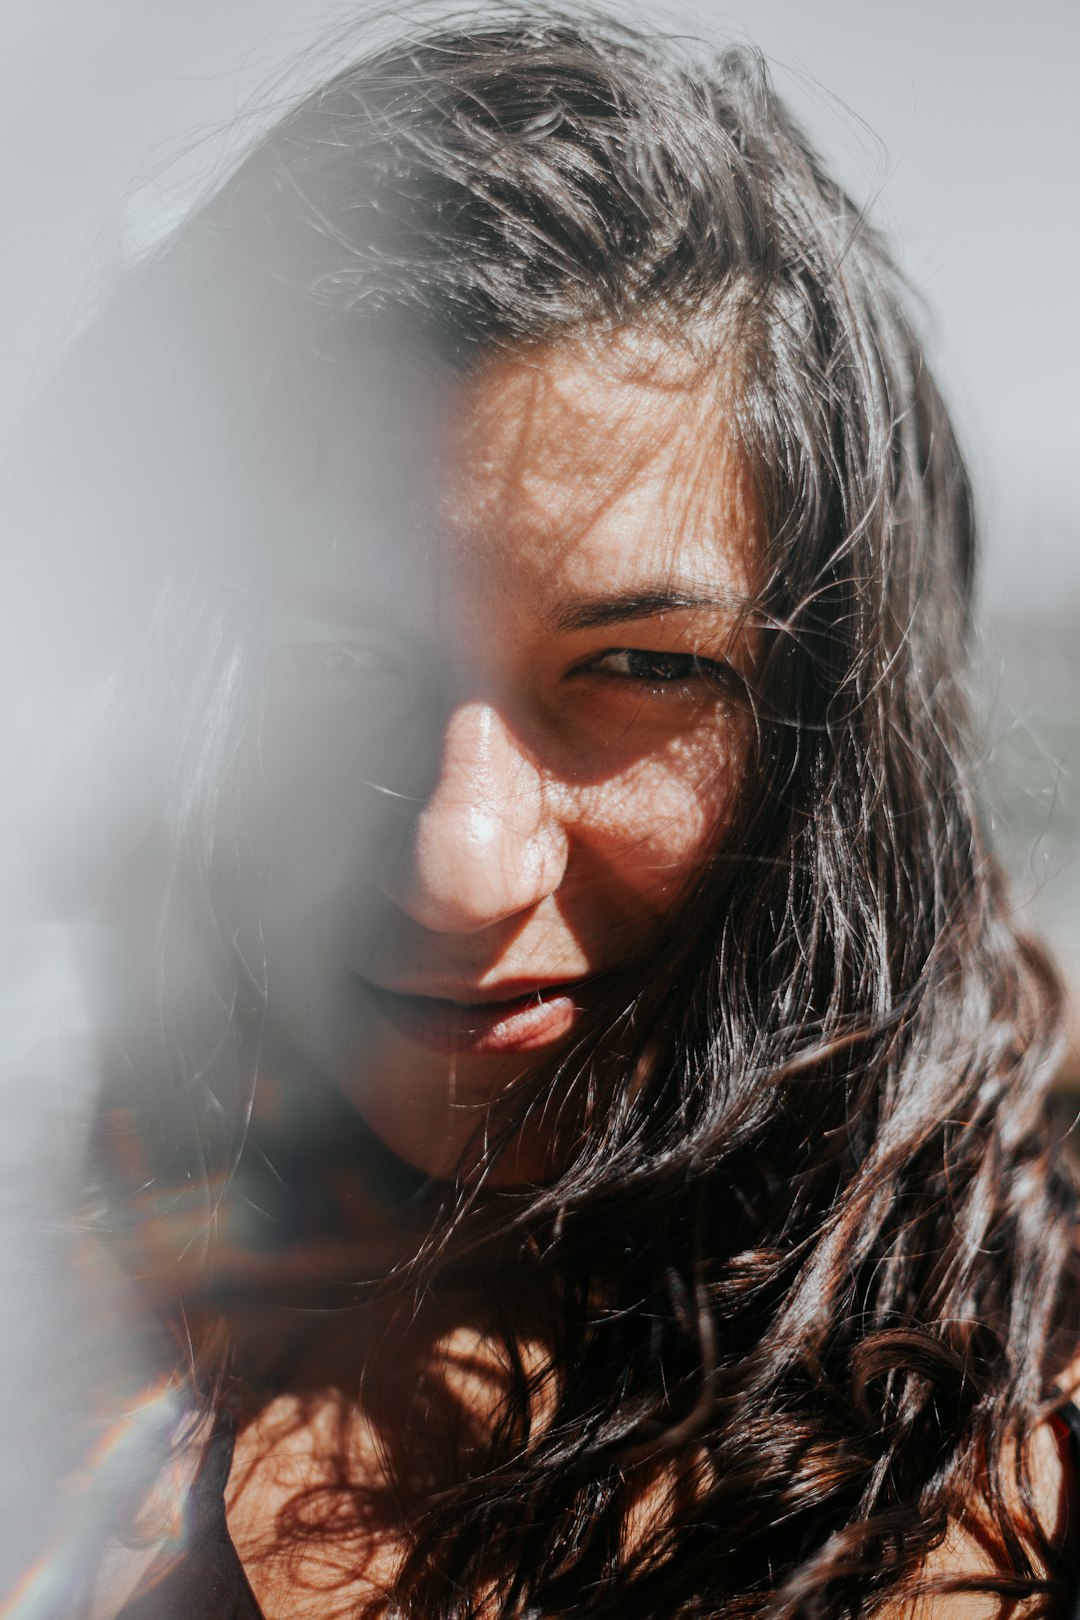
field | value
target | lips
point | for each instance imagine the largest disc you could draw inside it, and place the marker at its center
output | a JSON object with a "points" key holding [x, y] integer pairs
{"points": [[536, 1018]]}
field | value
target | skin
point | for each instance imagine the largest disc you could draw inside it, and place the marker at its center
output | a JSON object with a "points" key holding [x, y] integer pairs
{"points": [[488, 795], [465, 788], [505, 630]]}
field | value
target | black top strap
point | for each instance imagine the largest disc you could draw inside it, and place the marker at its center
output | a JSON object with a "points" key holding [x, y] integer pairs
{"points": [[206, 1581], [1069, 1413]]}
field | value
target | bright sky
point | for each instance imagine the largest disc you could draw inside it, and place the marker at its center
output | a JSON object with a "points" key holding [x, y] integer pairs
{"points": [[961, 115]]}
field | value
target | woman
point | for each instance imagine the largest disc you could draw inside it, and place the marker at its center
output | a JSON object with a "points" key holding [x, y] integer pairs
{"points": [[583, 1117]]}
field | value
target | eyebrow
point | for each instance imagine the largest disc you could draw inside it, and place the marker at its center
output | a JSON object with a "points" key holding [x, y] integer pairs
{"points": [[593, 612]]}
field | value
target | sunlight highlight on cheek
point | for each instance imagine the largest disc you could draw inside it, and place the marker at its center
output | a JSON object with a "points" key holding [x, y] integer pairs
{"points": [[667, 815]]}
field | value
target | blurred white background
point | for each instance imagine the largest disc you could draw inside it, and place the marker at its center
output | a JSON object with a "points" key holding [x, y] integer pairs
{"points": [[956, 118]]}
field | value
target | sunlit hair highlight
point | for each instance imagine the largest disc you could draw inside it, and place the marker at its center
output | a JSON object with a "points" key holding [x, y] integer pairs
{"points": [[810, 1262]]}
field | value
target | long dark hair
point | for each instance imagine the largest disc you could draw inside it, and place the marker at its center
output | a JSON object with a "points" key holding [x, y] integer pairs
{"points": [[810, 1262]]}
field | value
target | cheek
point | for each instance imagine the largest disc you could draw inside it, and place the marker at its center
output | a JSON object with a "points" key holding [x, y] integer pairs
{"points": [[329, 781], [321, 850], [314, 826], [655, 824]]}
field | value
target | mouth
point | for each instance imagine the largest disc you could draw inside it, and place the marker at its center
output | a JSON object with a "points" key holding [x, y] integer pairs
{"points": [[524, 1022]]}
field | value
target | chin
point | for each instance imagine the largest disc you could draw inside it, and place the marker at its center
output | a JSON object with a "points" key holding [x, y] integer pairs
{"points": [[442, 1116]]}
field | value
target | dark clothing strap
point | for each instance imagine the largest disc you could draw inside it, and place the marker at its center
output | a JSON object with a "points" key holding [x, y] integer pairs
{"points": [[207, 1581]]}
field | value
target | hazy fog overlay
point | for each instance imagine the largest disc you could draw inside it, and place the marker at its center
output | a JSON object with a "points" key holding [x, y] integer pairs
{"points": [[83, 1416], [957, 121]]}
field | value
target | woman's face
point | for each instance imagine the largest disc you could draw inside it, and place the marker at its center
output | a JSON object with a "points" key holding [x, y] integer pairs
{"points": [[506, 721]]}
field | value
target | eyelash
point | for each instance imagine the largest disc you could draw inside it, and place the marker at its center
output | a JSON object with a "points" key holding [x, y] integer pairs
{"points": [[332, 659], [691, 669], [670, 675]]}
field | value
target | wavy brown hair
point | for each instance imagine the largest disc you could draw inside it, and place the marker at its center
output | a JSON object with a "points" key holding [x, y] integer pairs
{"points": [[810, 1266]]}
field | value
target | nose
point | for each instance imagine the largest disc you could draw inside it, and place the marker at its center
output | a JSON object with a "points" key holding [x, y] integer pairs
{"points": [[485, 846]]}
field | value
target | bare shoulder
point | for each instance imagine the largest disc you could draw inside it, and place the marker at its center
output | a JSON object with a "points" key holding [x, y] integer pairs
{"points": [[971, 1549]]}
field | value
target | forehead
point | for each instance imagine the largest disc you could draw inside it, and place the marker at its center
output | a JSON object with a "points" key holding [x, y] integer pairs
{"points": [[545, 473], [565, 461]]}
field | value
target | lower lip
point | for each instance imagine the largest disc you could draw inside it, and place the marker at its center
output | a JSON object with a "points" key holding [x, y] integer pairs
{"points": [[523, 1024]]}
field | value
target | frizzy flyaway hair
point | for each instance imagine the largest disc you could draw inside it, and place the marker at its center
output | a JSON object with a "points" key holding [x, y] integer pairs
{"points": [[811, 1261]]}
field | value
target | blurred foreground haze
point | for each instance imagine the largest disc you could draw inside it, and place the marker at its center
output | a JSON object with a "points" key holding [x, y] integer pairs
{"points": [[956, 119]]}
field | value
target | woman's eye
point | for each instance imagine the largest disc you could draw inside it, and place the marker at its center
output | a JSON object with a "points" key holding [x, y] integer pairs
{"points": [[369, 675], [657, 669], [349, 659]]}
